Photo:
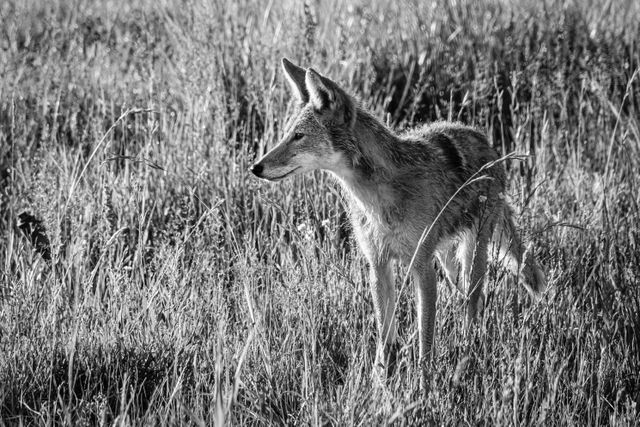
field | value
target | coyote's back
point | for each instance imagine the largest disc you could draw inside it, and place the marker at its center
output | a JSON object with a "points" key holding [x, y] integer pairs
{"points": [[435, 191]]}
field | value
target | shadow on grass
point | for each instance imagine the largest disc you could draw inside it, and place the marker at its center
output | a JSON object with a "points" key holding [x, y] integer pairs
{"points": [[92, 386]]}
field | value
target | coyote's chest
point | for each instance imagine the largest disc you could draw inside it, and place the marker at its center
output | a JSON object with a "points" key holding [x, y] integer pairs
{"points": [[381, 219], [383, 230]]}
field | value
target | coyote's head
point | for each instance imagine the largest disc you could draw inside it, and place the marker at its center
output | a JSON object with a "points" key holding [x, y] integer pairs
{"points": [[312, 139]]}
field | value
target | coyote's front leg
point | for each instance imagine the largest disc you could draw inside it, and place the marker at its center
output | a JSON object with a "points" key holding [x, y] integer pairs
{"points": [[426, 296], [383, 295]]}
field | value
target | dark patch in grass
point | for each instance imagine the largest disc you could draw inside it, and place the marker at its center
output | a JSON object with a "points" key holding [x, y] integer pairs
{"points": [[35, 232], [532, 52], [101, 375]]}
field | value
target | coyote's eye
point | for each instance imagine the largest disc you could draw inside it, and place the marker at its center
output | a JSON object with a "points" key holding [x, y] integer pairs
{"points": [[297, 136]]}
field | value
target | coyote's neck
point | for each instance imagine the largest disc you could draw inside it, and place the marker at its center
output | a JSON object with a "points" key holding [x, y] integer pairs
{"points": [[369, 181]]}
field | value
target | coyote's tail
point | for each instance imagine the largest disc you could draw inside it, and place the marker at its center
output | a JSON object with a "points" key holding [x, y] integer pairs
{"points": [[513, 254]]}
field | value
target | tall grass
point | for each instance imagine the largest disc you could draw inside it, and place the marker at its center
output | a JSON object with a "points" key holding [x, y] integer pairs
{"points": [[179, 290]]}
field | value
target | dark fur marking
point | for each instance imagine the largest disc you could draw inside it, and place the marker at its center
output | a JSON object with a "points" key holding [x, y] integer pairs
{"points": [[348, 114], [364, 165], [411, 154], [449, 150], [342, 142]]}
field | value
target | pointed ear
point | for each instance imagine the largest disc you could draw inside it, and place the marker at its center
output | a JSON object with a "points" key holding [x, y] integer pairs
{"points": [[328, 99], [321, 95], [296, 78]]}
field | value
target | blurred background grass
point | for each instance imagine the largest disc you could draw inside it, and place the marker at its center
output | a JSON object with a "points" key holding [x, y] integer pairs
{"points": [[178, 289]]}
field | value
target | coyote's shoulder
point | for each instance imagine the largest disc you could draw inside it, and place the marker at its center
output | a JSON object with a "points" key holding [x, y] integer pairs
{"points": [[458, 147]]}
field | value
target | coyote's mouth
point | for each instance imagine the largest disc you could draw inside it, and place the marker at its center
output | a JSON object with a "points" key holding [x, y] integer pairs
{"points": [[281, 177]]}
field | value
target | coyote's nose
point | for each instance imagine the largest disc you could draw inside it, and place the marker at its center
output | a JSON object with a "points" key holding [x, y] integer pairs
{"points": [[257, 169]]}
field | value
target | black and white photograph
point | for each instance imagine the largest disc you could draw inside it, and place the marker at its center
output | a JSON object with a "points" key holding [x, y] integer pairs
{"points": [[319, 212]]}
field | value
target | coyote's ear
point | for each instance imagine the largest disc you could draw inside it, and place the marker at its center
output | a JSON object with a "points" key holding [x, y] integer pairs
{"points": [[321, 94], [295, 76], [328, 99]]}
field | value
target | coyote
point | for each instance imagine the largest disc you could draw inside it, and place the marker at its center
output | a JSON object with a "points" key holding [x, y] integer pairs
{"points": [[398, 186]]}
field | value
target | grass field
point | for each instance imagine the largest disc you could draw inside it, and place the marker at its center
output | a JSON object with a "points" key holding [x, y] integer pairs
{"points": [[147, 278]]}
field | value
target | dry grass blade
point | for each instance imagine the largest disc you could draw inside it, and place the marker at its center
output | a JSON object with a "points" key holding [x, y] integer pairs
{"points": [[77, 179]]}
